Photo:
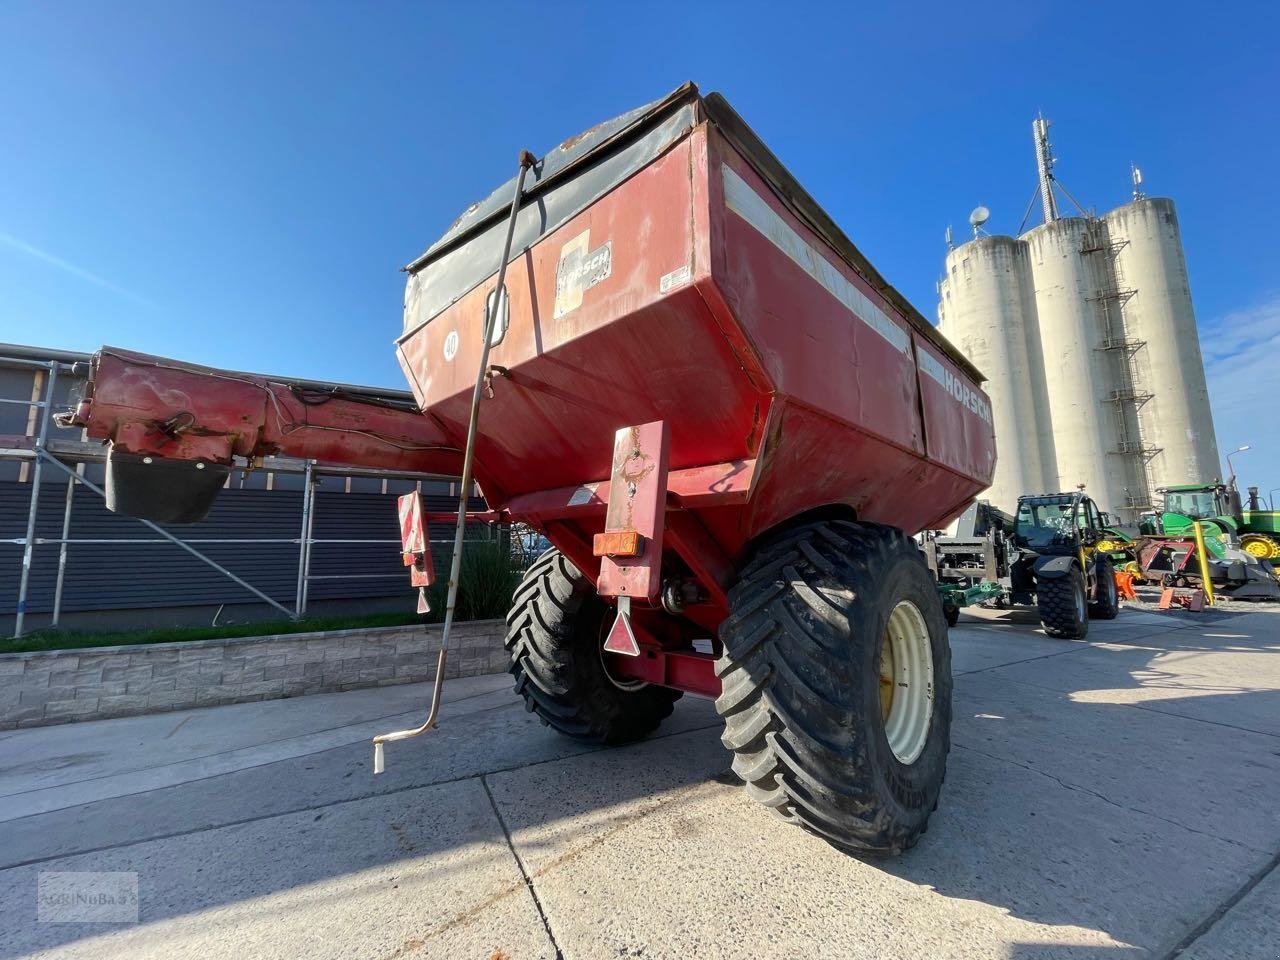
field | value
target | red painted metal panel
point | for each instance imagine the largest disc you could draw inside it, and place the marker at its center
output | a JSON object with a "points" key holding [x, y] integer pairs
{"points": [[639, 345], [637, 502], [957, 415], [786, 288], [691, 672]]}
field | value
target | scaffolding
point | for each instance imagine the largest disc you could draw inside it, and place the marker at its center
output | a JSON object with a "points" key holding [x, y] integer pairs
{"points": [[1130, 396], [37, 452]]}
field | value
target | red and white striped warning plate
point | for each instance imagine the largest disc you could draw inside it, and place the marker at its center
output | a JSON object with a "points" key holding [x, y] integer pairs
{"points": [[413, 532]]}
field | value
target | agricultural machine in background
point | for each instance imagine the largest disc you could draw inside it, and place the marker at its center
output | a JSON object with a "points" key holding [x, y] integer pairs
{"points": [[1240, 546], [971, 559], [1218, 508], [1059, 566], [656, 350], [1054, 553]]}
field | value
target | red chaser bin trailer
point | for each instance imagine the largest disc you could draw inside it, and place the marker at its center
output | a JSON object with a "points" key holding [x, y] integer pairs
{"points": [[717, 411]]}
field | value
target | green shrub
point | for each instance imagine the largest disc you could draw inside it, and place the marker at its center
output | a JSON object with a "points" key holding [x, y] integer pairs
{"points": [[489, 578]]}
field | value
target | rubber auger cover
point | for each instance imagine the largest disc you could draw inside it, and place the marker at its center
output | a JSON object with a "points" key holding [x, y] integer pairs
{"points": [[801, 674]]}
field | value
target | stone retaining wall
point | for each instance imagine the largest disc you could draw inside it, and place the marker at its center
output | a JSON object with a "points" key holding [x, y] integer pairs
{"points": [[49, 687]]}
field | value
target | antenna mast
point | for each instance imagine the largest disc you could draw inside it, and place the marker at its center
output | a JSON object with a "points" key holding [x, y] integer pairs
{"points": [[1044, 164]]}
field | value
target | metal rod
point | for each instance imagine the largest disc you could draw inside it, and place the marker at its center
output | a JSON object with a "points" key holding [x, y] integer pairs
{"points": [[379, 542], [464, 483], [24, 403], [309, 508], [62, 552], [139, 541], [1202, 556], [354, 576], [42, 435], [170, 537], [8, 361], [304, 538], [136, 541]]}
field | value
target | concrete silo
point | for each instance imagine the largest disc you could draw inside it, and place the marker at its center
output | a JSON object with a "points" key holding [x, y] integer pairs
{"points": [[1078, 373], [1175, 418], [1085, 328], [987, 308]]}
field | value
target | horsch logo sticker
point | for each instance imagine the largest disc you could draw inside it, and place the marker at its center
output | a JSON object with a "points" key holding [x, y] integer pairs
{"points": [[579, 269], [964, 394]]}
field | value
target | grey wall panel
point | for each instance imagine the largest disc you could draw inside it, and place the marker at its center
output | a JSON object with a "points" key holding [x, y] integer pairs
{"points": [[105, 577]]}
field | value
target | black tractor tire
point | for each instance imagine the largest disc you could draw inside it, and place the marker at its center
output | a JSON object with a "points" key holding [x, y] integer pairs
{"points": [[801, 694], [1106, 600], [555, 635], [1062, 605]]}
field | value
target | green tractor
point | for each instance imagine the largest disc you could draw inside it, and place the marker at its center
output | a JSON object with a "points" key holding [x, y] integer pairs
{"points": [[1217, 506], [1059, 566]]}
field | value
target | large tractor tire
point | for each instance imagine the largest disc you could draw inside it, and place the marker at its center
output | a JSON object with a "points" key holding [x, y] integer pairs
{"points": [[1063, 605], [837, 683], [1106, 599], [555, 634]]}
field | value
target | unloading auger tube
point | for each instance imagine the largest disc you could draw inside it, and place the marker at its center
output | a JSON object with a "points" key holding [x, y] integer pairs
{"points": [[464, 487]]}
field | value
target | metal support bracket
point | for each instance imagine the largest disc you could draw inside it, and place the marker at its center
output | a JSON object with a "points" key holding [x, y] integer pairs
{"points": [[637, 505]]}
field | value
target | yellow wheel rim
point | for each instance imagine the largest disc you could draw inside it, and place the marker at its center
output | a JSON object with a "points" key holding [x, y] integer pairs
{"points": [[1108, 546], [906, 682], [1264, 548], [1133, 569]]}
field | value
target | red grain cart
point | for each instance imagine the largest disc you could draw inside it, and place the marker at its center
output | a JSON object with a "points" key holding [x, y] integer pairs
{"points": [[724, 419]]}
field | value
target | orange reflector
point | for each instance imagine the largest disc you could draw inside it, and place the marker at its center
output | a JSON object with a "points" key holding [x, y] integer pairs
{"points": [[619, 543]]}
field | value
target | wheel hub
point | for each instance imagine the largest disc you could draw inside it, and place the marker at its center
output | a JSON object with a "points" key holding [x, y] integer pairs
{"points": [[1264, 548], [906, 681]]}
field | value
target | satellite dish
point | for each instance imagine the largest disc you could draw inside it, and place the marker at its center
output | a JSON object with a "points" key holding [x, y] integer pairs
{"points": [[979, 216]]}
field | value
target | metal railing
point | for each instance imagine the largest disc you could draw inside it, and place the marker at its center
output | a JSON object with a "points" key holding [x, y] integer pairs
{"points": [[43, 452]]}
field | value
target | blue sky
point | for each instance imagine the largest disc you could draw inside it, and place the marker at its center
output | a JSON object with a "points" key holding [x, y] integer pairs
{"points": [[238, 183]]}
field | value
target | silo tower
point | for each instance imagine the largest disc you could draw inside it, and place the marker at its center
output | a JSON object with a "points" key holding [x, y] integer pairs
{"points": [[1085, 328], [1176, 420], [987, 308]]}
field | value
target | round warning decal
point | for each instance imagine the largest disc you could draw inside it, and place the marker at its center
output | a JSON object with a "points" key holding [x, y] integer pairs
{"points": [[451, 346]]}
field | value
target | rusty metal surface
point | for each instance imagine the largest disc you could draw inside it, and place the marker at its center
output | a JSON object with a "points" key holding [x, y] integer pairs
{"points": [[565, 182], [637, 502], [181, 411]]}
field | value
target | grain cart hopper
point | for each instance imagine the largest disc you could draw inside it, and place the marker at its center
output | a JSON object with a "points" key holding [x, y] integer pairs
{"points": [[717, 411]]}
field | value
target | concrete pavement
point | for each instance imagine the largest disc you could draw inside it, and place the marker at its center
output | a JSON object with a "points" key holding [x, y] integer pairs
{"points": [[1109, 799]]}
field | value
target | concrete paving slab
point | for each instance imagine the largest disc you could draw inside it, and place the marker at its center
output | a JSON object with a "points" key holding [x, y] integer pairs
{"points": [[1223, 682], [1080, 819], [975, 646], [1204, 777], [1249, 930], [1252, 629], [501, 737], [424, 873], [1015, 865], [68, 765]]}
